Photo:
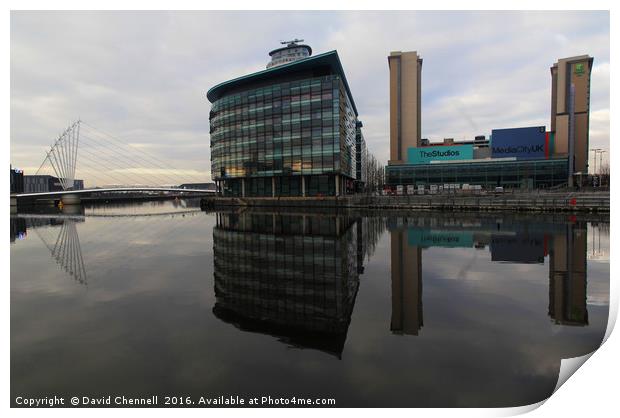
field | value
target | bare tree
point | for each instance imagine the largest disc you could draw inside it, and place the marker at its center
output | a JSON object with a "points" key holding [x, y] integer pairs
{"points": [[604, 174]]}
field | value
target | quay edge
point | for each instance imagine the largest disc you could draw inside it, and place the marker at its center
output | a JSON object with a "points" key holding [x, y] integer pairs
{"points": [[531, 202]]}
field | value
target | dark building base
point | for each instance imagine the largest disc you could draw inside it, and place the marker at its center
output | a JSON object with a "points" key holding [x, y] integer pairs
{"points": [[287, 186]]}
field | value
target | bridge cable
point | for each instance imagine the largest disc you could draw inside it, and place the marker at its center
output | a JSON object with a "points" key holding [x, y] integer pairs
{"points": [[124, 157], [145, 180], [118, 156], [153, 160], [98, 164]]}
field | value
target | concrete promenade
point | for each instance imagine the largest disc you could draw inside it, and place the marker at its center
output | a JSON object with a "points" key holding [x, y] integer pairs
{"points": [[575, 202]]}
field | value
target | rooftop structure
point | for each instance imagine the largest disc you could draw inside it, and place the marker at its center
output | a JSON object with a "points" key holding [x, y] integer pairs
{"points": [[289, 53]]}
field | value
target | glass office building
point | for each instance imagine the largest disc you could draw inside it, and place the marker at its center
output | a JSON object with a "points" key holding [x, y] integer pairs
{"points": [[361, 158], [289, 130]]}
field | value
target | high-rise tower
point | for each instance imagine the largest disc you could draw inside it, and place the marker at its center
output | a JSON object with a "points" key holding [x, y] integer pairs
{"points": [[405, 104], [570, 111]]}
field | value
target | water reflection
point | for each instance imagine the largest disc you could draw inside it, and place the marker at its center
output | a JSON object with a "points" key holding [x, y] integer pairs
{"points": [[508, 242], [58, 231], [481, 306], [568, 276], [62, 241], [296, 276], [18, 229], [66, 249], [291, 276], [406, 271]]}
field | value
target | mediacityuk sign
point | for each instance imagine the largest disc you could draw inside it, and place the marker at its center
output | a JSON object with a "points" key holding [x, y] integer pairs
{"points": [[521, 143]]}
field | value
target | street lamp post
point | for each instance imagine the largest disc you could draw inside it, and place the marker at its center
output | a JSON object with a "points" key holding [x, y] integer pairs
{"points": [[598, 152]]}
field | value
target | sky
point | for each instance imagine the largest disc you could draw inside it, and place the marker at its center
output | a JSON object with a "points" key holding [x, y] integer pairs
{"points": [[143, 75]]}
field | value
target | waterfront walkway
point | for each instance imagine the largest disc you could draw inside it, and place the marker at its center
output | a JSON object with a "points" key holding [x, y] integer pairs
{"points": [[530, 202]]}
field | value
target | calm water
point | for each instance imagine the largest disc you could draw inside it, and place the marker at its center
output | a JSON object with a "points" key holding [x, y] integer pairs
{"points": [[415, 310]]}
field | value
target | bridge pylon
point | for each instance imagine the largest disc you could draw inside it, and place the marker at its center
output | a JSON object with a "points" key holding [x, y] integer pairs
{"points": [[62, 156]]}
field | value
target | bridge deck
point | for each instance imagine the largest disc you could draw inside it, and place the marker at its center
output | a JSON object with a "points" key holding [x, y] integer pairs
{"points": [[113, 189]]}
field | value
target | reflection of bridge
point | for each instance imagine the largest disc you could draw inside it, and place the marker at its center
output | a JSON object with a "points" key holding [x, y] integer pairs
{"points": [[64, 216], [66, 249], [108, 166], [59, 233]]}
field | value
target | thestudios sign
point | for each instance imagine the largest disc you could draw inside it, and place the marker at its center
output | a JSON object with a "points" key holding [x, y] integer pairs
{"points": [[433, 238], [521, 143], [425, 155]]}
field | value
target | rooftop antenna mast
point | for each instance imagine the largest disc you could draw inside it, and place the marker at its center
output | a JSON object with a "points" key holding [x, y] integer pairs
{"points": [[293, 42]]}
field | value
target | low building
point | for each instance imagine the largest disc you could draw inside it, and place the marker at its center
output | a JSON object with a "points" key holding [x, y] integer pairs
{"points": [[513, 157], [78, 184], [199, 186], [17, 180], [43, 183]]}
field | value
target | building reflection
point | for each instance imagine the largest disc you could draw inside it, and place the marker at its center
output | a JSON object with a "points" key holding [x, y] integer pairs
{"points": [[18, 229], [292, 276], [406, 276], [565, 245], [568, 276]]}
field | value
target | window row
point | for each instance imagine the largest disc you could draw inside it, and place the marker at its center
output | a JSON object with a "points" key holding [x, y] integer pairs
{"points": [[307, 86]]}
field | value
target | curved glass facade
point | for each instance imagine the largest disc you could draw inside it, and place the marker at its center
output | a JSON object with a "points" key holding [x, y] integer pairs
{"points": [[265, 140]]}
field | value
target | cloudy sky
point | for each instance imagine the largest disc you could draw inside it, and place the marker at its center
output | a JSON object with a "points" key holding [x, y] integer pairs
{"points": [[143, 75]]}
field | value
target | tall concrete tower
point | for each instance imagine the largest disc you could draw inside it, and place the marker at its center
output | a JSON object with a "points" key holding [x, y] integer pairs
{"points": [[405, 104], [570, 111]]}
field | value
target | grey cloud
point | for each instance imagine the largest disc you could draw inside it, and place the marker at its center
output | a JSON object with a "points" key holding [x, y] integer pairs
{"points": [[143, 75]]}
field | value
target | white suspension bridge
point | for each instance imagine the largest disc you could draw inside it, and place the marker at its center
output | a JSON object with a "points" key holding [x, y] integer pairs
{"points": [[108, 165]]}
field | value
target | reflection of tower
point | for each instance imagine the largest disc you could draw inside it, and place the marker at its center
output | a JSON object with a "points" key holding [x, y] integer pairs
{"points": [[567, 277], [406, 285], [291, 276]]}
